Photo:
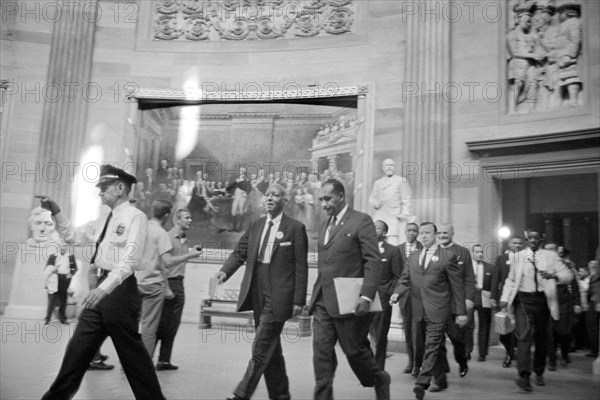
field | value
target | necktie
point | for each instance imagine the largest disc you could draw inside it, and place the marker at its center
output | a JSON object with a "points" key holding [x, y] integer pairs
{"points": [[101, 237], [423, 257], [330, 228], [263, 246], [535, 271]]}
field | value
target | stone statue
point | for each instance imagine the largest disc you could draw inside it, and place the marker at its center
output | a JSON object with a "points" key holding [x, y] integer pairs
{"points": [[522, 62], [27, 295], [569, 49], [391, 199]]}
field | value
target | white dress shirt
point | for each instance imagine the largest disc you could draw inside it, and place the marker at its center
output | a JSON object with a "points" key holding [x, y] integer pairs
{"points": [[271, 239]]}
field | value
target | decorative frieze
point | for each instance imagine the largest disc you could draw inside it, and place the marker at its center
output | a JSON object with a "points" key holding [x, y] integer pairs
{"points": [[236, 20], [544, 55]]}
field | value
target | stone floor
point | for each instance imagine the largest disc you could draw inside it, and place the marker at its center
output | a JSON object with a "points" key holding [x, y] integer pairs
{"points": [[211, 362]]}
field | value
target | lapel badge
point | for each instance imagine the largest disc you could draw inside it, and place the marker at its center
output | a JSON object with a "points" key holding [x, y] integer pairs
{"points": [[279, 235], [381, 250], [120, 230], [435, 258]]}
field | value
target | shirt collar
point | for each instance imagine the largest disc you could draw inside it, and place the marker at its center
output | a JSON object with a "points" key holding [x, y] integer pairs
{"points": [[447, 245], [121, 208], [275, 220], [341, 213]]}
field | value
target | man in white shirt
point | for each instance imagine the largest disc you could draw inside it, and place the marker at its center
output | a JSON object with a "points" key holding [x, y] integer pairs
{"points": [[530, 293]]}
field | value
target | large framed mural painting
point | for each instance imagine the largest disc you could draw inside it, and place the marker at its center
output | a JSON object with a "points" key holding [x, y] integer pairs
{"points": [[216, 155]]}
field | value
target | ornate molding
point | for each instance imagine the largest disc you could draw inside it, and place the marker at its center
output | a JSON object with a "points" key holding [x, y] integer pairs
{"points": [[252, 20], [528, 169], [561, 140], [200, 96]]}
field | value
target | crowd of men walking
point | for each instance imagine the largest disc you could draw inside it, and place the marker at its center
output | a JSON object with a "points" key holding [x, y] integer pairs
{"points": [[439, 284]]}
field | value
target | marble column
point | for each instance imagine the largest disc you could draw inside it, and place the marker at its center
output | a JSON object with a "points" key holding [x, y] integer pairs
{"points": [[426, 138], [63, 129]]}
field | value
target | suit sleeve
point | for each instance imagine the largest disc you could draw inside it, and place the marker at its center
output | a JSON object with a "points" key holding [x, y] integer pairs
{"points": [[239, 255], [509, 282], [370, 257], [396, 262], [457, 285], [403, 285], [497, 279], [301, 258], [469, 275]]}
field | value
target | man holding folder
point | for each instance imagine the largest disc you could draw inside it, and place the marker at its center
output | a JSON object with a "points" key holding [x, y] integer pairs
{"points": [[347, 248]]}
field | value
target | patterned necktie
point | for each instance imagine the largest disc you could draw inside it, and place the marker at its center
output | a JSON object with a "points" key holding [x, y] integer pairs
{"points": [[101, 237], [263, 246], [330, 229]]}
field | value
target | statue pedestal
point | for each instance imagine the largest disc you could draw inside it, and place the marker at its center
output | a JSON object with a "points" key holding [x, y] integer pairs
{"points": [[28, 296]]}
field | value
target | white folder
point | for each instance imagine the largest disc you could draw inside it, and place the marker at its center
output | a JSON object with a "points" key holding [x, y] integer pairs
{"points": [[348, 293]]}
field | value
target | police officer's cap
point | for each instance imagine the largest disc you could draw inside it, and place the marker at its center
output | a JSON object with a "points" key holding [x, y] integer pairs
{"points": [[109, 173]]}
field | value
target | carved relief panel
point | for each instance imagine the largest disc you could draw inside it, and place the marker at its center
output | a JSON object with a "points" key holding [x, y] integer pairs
{"points": [[237, 20], [544, 55]]}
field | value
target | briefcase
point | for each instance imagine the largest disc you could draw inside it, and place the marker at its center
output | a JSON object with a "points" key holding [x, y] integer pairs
{"points": [[504, 323]]}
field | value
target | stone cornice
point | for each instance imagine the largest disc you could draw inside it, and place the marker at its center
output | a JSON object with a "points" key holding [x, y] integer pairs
{"points": [[198, 96], [516, 144]]}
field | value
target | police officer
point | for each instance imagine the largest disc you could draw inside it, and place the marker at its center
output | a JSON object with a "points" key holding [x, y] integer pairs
{"points": [[111, 308]]}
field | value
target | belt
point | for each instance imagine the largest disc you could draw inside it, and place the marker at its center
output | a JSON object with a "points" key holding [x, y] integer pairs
{"points": [[532, 294], [176, 278]]}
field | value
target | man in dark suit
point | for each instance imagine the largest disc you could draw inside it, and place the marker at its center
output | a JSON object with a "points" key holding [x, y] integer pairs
{"points": [[457, 334], [483, 284], [415, 338], [275, 250], [509, 340], [391, 268], [347, 248], [434, 281]]}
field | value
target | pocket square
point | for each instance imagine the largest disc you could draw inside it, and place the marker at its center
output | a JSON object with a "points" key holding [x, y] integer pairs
{"points": [[285, 244]]}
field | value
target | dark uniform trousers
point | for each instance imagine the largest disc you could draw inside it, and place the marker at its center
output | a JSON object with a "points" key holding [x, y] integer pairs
{"points": [[352, 333], [170, 319], [267, 354], [115, 316], [59, 298], [532, 322]]}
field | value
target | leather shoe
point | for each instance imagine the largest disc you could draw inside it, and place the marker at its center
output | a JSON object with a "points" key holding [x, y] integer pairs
{"points": [[100, 366], [523, 383], [419, 392], [539, 380], [481, 358], [102, 357], [507, 361], [408, 369], [165, 366], [552, 365], [382, 387], [438, 386], [462, 370], [234, 398], [415, 372]]}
